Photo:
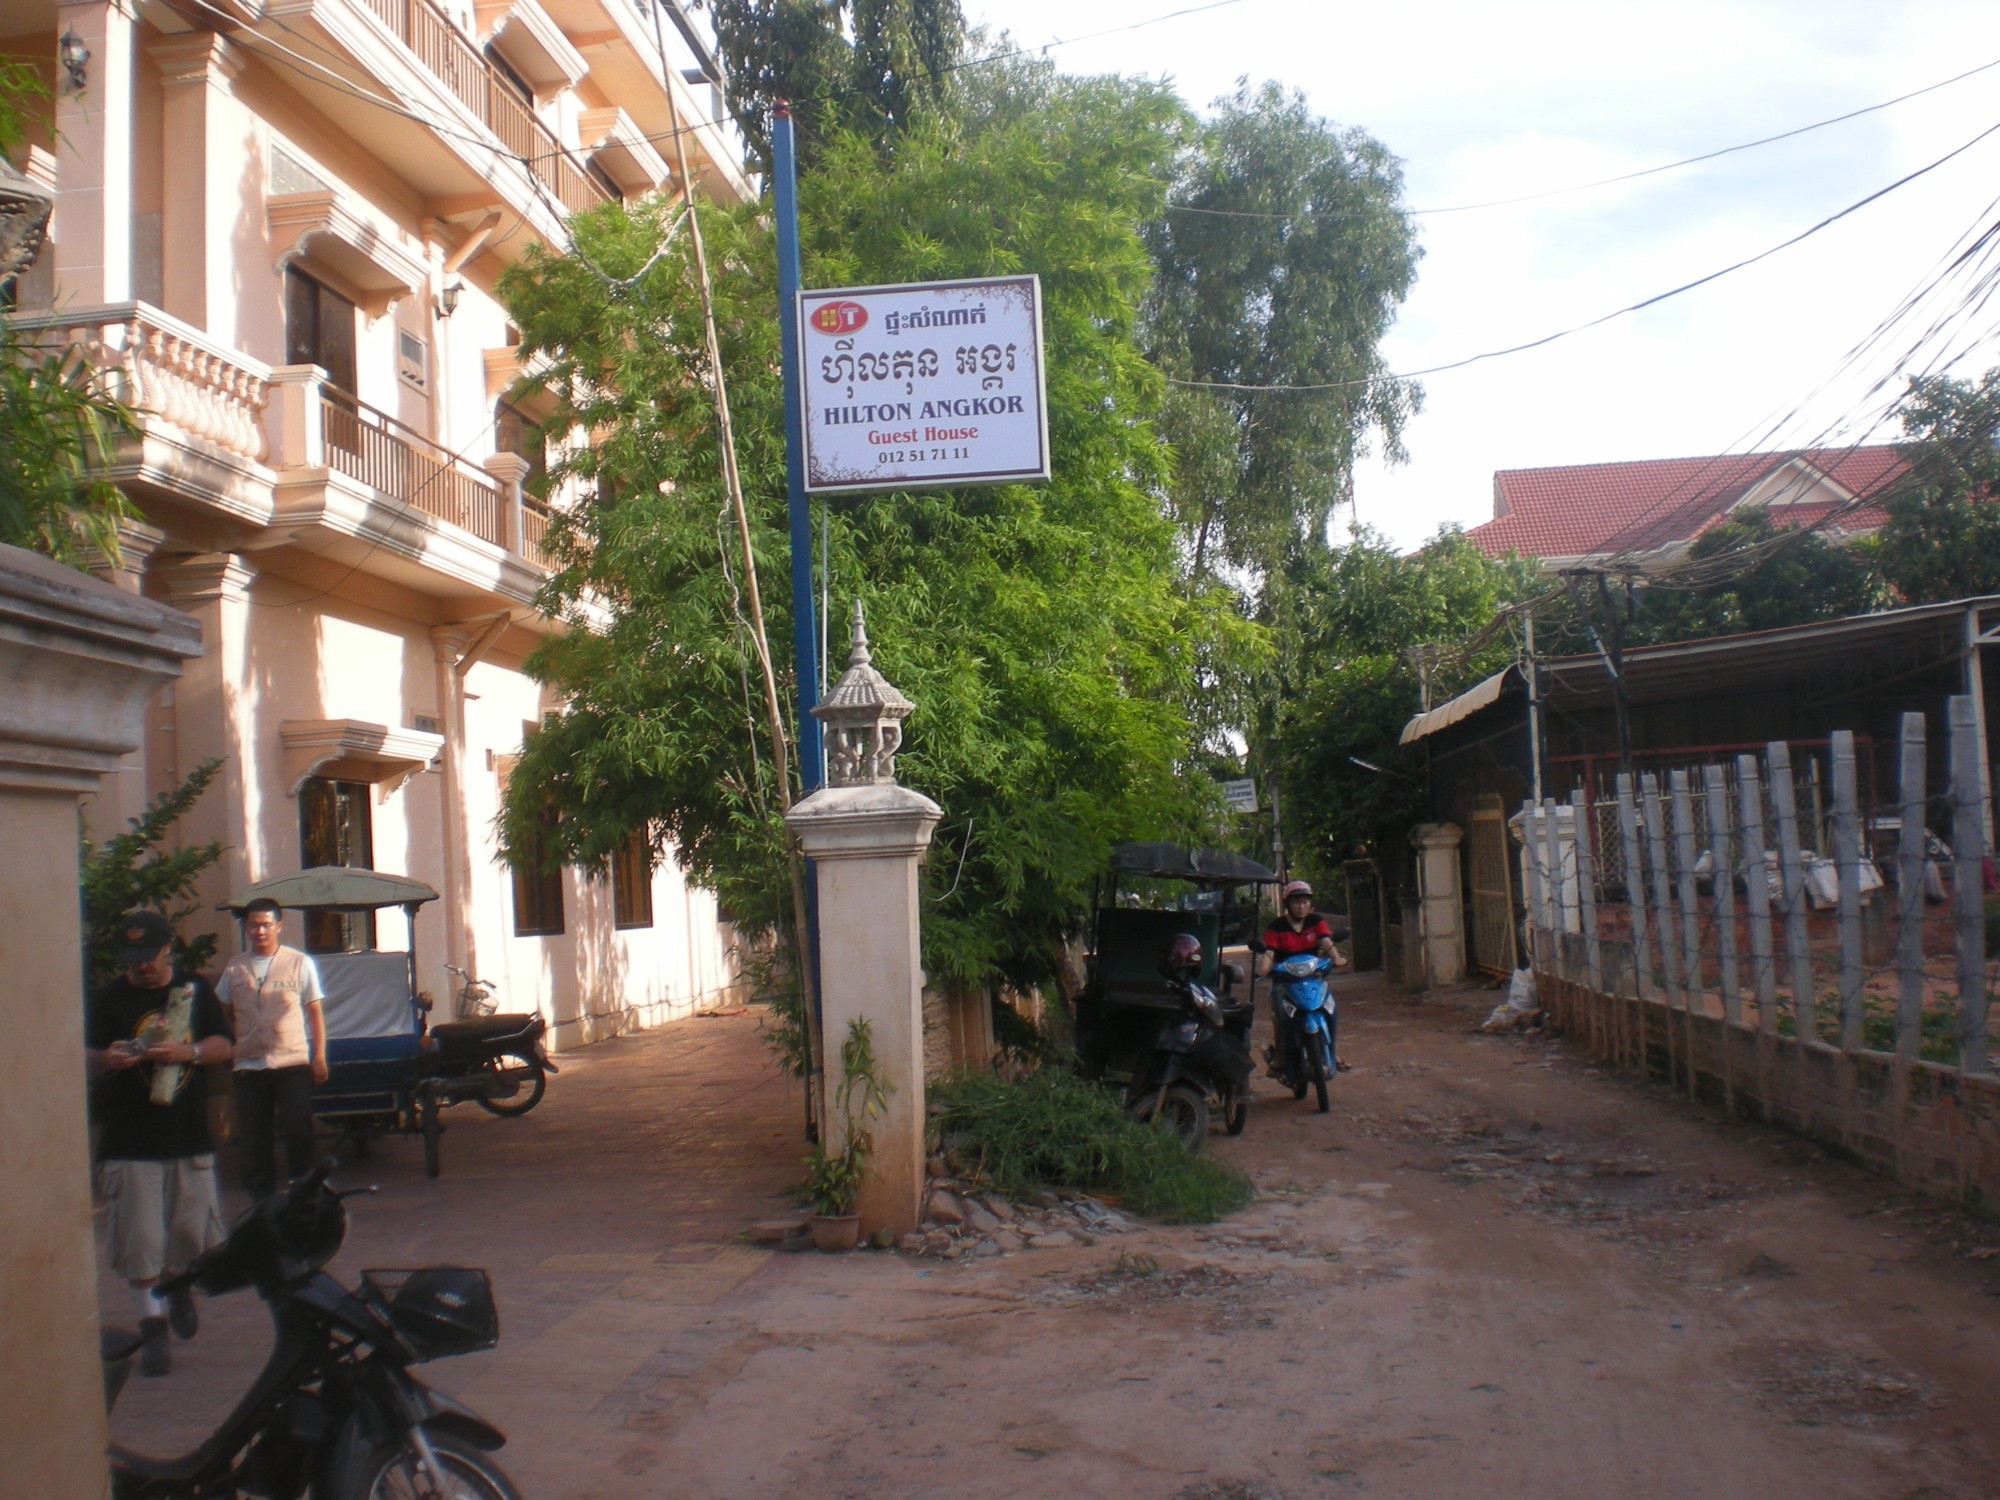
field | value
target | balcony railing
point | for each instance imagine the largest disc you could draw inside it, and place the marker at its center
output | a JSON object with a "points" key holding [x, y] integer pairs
{"points": [[383, 454], [457, 64], [165, 369]]}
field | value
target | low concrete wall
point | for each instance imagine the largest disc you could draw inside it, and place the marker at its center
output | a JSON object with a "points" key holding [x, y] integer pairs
{"points": [[1923, 1124]]}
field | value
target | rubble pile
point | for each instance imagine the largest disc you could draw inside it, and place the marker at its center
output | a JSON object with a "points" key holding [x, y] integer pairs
{"points": [[964, 1219]]}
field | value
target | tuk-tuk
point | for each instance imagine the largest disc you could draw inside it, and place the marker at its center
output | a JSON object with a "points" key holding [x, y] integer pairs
{"points": [[1153, 892]]}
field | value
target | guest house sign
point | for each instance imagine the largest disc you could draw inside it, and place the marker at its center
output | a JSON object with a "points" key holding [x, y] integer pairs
{"points": [[927, 386]]}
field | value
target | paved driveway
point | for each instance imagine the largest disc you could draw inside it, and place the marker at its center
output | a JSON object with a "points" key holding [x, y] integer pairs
{"points": [[1493, 1270], [608, 1217]]}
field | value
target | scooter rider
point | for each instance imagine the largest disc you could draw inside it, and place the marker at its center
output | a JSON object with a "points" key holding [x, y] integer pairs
{"points": [[1296, 929]]}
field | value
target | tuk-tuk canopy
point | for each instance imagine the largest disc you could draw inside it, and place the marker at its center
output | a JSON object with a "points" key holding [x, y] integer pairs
{"points": [[1170, 861], [335, 888]]}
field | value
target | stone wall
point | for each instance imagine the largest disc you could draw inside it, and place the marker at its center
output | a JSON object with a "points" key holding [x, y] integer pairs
{"points": [[1926, 1125]]}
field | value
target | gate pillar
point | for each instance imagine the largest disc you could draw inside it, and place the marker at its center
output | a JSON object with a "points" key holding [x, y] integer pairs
{"points": [[1443, 907], [867, 837]]}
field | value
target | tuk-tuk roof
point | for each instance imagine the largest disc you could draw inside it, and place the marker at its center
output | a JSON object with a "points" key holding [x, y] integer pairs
{"points": [[335, 888], [1212, 866]]}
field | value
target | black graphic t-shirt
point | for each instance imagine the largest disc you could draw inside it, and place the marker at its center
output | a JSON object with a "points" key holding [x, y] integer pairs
{"points": [[151, 1112]]}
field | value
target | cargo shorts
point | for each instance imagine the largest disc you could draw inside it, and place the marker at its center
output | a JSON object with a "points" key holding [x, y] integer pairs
{"points": [[160, 1213]]}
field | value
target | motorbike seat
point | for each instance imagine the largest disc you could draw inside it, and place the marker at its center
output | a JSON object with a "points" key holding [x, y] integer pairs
{"points": [[487, 1030]]}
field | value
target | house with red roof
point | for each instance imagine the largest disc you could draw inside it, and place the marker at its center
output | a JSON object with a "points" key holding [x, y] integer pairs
{"points": [[1652, 510]]}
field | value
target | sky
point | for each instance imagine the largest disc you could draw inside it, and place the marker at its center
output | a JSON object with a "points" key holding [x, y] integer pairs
{"points": [[1486, 101]]}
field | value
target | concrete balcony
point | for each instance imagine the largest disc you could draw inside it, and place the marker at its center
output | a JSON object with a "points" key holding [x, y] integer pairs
{"points": [[494, 150], [360, 489], [233, 455]]}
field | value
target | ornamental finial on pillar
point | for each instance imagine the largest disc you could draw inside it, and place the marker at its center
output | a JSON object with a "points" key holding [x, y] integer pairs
{"points": [[863, 714]]}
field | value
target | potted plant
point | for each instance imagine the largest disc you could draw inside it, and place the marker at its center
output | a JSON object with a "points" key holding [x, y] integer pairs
{"points": [[833, 1178]]}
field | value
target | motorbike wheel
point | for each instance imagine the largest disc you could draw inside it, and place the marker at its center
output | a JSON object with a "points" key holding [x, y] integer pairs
{"points": [[1295, 1073], [526, 1071], [429, 1120], [1321, 1056], [470, 1472], [1236, 1114], [1185, 1112]]}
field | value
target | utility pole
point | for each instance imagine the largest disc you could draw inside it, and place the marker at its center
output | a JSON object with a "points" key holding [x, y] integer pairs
{"points": [[1534, 704], [1612, 655]]}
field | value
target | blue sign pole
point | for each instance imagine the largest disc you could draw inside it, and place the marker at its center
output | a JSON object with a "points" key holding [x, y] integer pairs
{"points": [[805, 633]]}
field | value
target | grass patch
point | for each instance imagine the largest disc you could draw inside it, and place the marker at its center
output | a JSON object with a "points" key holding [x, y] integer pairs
{"points": [[1055, 1130]]}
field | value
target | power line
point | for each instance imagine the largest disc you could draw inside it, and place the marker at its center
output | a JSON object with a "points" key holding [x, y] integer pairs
{"points": [[1654, 300], [1584, 187]]}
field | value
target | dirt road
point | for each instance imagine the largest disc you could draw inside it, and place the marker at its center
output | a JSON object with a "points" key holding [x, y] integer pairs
{"points": [[1492, 1271]]}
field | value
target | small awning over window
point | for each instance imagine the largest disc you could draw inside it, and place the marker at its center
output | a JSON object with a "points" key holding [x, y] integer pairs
{"points": [[532, 44], [322, 230], [1463, 706], [353, 750], [614, 143]]}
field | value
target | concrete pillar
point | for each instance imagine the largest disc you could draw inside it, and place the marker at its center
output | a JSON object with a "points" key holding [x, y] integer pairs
{"points": [[1443, 942], [212, 719], [123, 797], [203, 197], [509, 469], [867, 836], [295, 418], [93, 218], [78, 661]]}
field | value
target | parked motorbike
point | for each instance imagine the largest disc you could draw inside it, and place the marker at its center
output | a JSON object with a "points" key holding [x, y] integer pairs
{"points": [[1202, 1055], [336, 1409], [495, 1060], [1306, 1057]]}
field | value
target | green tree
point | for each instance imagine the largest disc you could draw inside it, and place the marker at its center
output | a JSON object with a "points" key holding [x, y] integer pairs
{"points": [[132, 869], [1041, 631], [1282, 259], [1941, 539], [1747, 574], [868, 66], [1352, 620], [58, 425]]}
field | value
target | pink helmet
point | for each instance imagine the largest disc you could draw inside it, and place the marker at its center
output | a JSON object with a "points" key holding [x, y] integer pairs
{"points": [[1297, 888]]}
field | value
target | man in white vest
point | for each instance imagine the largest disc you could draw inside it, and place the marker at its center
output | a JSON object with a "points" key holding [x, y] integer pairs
{"points": [[273, 996]]}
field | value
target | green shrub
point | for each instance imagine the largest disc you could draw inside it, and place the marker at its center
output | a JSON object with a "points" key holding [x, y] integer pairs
{"points": [[1055, 1130]]}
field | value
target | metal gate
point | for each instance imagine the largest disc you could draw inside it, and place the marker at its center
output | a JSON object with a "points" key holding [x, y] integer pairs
{"points": [[1492, 885]]}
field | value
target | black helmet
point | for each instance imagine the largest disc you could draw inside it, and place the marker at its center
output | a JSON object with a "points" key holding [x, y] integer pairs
{"points": [[1182, 956]]}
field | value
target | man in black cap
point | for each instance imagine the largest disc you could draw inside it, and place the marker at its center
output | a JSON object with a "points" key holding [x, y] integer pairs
{"points": [[147, 1036]]}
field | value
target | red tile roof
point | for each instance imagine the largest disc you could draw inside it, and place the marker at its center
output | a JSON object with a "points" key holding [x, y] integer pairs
{"points": [[1603, 509]]}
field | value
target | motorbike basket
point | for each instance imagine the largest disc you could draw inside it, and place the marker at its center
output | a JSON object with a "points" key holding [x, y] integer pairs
{"points": [[438, 1310]]}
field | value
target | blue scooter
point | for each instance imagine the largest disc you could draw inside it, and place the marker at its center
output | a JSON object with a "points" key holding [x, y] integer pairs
{"points": [[1306, 1002]]}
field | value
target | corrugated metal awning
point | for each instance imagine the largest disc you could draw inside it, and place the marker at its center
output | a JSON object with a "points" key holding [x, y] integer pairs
{"points": [[1463, 706]]}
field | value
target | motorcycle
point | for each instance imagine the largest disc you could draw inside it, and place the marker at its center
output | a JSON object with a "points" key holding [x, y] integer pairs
{"points": [[1307, 1057], [496, 1061], [1203, 1054], [336, 1409]]}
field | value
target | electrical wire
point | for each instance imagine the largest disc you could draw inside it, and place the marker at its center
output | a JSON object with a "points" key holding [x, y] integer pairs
{"points": [[1584, 187], [1652, 301]]}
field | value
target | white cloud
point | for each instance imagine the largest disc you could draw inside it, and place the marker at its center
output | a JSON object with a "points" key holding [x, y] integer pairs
{"points": [[1489, 101]]}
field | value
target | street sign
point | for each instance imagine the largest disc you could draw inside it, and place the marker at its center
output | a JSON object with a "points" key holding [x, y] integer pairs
{"points": [[1241, 796], [931, 385]]}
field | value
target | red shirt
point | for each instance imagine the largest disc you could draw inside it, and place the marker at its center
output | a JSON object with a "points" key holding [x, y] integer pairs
{"points": [[1285, 943]]}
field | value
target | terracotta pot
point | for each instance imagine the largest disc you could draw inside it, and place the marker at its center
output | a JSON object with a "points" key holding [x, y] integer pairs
{"points": [[835, 1233]]}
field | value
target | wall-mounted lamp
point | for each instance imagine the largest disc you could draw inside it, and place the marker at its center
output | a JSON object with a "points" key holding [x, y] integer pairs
{"points": [[74, 57], [448, 298]]}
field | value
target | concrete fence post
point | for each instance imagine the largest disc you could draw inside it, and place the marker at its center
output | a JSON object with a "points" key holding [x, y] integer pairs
{"points": [[1968, 807]]}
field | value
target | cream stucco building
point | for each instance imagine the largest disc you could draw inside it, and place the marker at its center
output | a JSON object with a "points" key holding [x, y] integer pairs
{"points": [[278, 222]]}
